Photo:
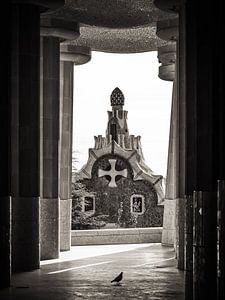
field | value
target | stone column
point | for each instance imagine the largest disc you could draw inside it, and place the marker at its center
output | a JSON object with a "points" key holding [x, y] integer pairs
{"points": [[52, 30], [5, 133], [69, 56], [168, 30], [23, 152], [25, 136], [205, 127], [171, 195]]}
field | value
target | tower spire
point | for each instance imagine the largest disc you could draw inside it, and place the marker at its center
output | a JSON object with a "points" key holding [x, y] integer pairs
{"points": [[117, 98]]}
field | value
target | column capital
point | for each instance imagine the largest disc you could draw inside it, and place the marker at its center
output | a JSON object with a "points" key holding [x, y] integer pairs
{"points": [[167, 54], [55, 27], [79, 55], [168, 29], [167, 58], [168, 5]]}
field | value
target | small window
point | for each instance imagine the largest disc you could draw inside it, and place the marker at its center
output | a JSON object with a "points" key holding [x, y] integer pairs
{"points": [[137, 204], [89, 204]]}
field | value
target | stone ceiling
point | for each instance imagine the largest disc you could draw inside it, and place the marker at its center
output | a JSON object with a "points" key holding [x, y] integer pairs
{"points": [[122, 26], [130, 40]]}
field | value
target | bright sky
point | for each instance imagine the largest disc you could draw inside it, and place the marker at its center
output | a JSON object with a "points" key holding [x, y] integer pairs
{"points": [[147, 100]]}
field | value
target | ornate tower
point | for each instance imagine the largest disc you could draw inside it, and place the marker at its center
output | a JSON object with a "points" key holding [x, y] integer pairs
{"points": [[117, 177], [117, 129]]}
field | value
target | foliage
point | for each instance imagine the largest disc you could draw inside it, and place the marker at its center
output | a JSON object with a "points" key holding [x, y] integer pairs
{"points": [[80, 219]]}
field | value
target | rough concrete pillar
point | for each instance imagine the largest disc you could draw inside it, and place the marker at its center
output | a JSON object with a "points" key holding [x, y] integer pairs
{"points": [[51, 30], [70, 55], [25, 136]]}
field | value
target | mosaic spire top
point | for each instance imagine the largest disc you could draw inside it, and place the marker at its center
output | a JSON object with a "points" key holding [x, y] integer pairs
{"points": [[117, 97]]}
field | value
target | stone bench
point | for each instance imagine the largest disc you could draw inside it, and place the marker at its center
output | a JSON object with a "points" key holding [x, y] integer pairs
{"points": [[116, 236]]}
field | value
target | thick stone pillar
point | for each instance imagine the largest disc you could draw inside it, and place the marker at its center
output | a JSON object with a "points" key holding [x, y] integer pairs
{"points": [[205, 126], [5, 133], [49, 111], [22, 112], [70, 55], [52, 30], [25, 136]]}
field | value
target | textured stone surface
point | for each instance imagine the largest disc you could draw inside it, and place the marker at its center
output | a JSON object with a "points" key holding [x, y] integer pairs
{"points": [[49, 228], [149, 273], [112, 40], [169, 229], [65, 224], [116, 236], [108, 13]]}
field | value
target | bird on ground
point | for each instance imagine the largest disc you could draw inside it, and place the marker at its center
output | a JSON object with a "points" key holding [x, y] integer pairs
{"points": [[118, 278]]}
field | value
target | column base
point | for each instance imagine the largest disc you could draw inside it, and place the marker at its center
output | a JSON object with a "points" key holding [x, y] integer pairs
{"points": [[169, 228], [180, 233], [49, 228], [25, 234], [5, 241], [65, 224]]}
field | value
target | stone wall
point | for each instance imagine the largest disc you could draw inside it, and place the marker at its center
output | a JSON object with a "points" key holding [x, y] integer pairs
{"points": [[116, 236]]}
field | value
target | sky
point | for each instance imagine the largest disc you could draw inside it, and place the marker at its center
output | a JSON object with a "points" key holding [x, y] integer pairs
{"points": [[147, 100]]}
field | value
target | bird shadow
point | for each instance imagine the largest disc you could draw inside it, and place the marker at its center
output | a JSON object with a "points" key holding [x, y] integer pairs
{"points": [[117, 284]]}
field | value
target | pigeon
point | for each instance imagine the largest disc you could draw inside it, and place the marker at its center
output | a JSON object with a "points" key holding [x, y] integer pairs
{"points": [[118, 278]]}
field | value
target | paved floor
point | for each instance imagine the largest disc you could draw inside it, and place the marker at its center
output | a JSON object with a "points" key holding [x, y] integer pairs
{"points": [[85, 273]]}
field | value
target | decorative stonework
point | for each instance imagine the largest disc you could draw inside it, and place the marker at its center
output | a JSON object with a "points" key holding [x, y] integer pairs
{"points": [[112, 173]]}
